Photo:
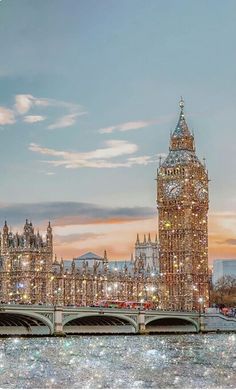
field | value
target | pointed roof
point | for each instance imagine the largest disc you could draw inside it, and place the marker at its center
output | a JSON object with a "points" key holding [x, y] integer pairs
{"points": [[182, 139], [89, 256], [5, 227], [105, 256], [181, 129]]}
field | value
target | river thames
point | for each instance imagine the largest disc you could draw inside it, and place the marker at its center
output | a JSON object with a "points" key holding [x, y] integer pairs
{"points": [[158, 361]]}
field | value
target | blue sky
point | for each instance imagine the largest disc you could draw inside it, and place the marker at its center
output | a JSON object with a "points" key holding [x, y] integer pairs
{"points": [[100, 81]]}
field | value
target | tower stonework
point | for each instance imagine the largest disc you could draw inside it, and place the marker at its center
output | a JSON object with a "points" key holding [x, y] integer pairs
{"points": [[182, 202]]}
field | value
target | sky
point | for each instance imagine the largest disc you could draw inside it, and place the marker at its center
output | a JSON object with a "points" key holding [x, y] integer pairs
{"points": [[89, 94]]}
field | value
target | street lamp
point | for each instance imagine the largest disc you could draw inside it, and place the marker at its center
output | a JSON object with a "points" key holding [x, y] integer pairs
{"points": [[200, 300]]}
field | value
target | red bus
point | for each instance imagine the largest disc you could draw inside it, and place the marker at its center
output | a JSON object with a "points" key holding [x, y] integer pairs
{"points": [[147, 305]]}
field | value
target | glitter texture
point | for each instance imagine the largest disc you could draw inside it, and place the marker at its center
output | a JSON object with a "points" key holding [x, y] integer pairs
{"points": [[173, 361]]}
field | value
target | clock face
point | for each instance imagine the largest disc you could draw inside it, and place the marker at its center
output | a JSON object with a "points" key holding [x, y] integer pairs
{"points": [[172, 189], [200, 190]]}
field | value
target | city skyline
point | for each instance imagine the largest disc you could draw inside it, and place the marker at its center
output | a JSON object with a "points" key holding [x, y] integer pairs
{"points": [[86, 112]]}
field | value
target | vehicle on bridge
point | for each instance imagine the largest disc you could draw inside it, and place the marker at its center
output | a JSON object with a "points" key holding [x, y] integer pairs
{"points": [[146, 305]]}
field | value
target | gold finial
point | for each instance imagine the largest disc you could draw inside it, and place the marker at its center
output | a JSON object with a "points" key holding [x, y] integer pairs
{"points": [[181, 103]]}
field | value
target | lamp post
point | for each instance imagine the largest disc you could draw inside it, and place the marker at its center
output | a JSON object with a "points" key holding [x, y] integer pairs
{"points": [[200, 300]]}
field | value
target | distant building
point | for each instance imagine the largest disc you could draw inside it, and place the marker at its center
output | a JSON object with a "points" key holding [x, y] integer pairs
{"points": [[90, 278], [146, 252], [223, 267]]}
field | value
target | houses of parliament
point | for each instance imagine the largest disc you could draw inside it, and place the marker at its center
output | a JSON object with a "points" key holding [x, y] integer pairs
{"points": [[171, 272]]}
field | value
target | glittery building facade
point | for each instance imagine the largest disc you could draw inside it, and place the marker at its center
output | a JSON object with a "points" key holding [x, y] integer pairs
{"points": [[29, 274], [182, 201], [26, 261]]}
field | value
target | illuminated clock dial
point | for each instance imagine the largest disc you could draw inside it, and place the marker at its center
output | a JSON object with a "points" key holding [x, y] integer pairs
{"points": [[172, 189], [200, 190]]}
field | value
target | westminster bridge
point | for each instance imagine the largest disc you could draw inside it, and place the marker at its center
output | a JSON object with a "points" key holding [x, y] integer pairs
{"points": [[38, 320]]}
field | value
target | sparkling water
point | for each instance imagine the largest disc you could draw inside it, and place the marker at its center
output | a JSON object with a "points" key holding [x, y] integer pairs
{"points": [[158, 361]]}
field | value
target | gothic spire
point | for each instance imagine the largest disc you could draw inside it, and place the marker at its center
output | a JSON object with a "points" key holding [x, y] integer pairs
{"points": [[182, 139], [5, 228], [49, 228], [105, 260]]}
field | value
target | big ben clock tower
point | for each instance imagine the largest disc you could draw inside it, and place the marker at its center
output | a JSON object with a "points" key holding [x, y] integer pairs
{"points": [[182, 202]]}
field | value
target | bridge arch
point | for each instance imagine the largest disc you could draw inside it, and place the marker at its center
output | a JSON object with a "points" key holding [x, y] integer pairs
{"points": [[13, 322], [99, 323], [169, 324]]}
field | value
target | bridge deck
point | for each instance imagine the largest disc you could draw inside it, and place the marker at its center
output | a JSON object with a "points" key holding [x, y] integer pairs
{"points": [[57, 320]]}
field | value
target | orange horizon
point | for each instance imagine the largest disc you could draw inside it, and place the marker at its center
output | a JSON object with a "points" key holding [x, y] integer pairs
{"points": [[119, 238]]}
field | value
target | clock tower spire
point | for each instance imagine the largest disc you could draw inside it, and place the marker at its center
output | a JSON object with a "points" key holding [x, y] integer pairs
{"points": [[182, 139], [182, 202]]}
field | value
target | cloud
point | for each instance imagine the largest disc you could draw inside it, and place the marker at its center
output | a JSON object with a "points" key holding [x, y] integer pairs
{"points": [[81, 227], [135, 125], [222, 229], [127, 126], [118, 238], [25, 102], [65, 121], [34, 118], [98, 158], [229, 241], [72, 213], [7, 116], [60, 240]]}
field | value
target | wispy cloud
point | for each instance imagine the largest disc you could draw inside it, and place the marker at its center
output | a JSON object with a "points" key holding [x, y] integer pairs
{"points": [[98, 158], [7, 116], [24, 103], [65, 121], [127, 126], [74, 238], [228, 241], [34, 118], [135, 125]]}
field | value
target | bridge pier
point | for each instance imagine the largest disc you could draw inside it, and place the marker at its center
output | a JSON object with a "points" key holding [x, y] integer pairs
{"points": [[58, 319], [202, 324], [141, 323]]}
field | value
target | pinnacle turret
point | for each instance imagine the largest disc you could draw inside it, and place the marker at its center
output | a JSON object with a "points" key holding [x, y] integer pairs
{"points": [[5, 228], [105, 256], [49, 228]]}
